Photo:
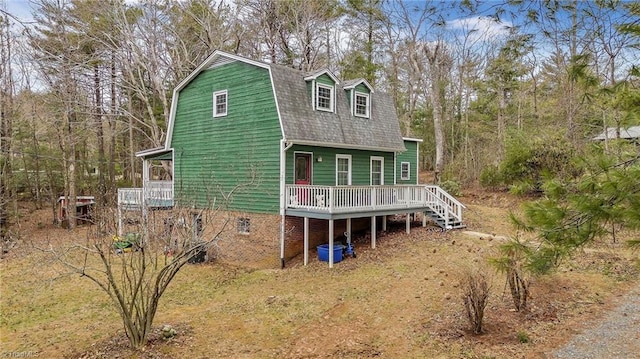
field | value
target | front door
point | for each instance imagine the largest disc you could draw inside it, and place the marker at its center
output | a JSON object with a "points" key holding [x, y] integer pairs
{"points": [[303, 168]]}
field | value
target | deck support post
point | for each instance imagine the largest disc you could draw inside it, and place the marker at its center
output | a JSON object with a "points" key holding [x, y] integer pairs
{"points": [[424, 219], [408, 225], [306, 240], [331, 243], [373, 232], [384, 223], [348, 233]]}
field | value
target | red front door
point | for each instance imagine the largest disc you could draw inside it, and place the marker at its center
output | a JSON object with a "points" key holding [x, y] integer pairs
{"points": [[303, 168], [303, 176]]}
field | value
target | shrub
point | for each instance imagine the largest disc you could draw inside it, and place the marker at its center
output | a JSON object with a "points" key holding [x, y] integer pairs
{"points": [[490, 177], [451, 186], [513, 255], [475, 297], [529, 161]]}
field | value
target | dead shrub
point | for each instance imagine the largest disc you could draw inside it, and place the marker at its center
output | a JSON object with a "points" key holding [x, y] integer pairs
{"points": [[475, 296]]}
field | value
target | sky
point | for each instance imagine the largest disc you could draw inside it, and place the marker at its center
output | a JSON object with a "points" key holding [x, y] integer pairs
{"points": [[21, 9]]}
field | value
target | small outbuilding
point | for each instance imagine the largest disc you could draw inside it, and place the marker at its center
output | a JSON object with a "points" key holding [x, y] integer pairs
{"points": [[84, 209]]}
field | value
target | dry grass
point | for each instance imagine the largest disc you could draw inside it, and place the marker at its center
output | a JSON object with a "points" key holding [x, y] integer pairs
{"points": [[401, 300]]}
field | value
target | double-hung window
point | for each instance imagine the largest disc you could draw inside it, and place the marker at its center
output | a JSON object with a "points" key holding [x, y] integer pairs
{"points": [[405, 171], [361, 107], [220, 103], [377, 171], [343, 170], [324, 97]]}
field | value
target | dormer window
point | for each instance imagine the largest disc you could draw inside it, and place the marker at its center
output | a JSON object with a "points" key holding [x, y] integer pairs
{"points": [[359, 92], [324, 97], [322, 88], [361, 108]]}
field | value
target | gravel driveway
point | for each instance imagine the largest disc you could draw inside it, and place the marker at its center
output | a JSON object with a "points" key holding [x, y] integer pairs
{"points": [[616, 336]]}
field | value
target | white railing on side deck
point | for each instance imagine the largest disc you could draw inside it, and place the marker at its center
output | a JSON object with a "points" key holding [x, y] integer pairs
{"points": [[129, 196], [342, 199], [155, 194]]}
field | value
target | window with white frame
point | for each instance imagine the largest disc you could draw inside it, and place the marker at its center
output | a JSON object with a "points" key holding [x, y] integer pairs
{"points": [[324, 97], [361, 104], [220, 103], [377, 171], [343, 170], [405, 171]]}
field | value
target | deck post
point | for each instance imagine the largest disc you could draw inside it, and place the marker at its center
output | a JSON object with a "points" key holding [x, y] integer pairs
{"points": [[408, 225], [331, 243], [306, 240], [348, 234], [373, 232], [384, 223], [424, 219]]}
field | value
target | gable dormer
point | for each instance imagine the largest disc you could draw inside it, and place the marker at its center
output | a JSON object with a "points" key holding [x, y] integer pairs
{"points": [[322, 86], [359, 93]]}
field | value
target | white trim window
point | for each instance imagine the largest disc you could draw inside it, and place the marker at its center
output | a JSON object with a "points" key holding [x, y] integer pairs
{"points": [[377, 170], [361, 104], [405, 171], [343, 170], [220, 103], [324, 97]]}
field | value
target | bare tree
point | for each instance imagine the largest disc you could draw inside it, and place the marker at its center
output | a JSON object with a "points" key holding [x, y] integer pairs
{"points": [[6, 126], [439, 64], [292, 33], [135, 270]]}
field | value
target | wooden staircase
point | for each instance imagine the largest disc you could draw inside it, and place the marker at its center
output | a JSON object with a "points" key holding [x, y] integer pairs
{"points": [[444, 209]]}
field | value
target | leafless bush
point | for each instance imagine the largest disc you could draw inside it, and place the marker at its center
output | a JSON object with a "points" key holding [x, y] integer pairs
{"points": [[135, 270], [475, 287]]}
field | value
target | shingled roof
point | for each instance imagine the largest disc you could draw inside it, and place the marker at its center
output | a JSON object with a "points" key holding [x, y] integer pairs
{"points": [[301, 123]]}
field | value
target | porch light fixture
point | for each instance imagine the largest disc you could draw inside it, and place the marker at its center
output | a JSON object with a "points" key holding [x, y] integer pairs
{"points": [[319, 159]]}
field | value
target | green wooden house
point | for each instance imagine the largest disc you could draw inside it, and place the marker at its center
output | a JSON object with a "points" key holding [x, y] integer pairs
{"points": [[290, 145]]}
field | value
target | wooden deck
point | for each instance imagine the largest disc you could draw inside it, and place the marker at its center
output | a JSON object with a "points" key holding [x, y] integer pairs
{"points": [[339, 202], [329, 202]]}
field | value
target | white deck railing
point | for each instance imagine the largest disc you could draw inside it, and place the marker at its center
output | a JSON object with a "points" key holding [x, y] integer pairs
{"points": [[154, 193], [345, 199]]}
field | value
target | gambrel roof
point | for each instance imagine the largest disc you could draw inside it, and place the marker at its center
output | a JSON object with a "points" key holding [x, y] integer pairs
{"points": [[301, 124]]}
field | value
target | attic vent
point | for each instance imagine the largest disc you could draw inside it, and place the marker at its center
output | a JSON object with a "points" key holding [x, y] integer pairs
{"points": [[221, 60]]}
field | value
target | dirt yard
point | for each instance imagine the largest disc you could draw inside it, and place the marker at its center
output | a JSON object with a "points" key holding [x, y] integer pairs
{"points": [[400, 300]]}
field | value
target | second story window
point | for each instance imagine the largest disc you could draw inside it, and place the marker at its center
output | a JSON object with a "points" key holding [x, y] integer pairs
{"points": [[324, 97], [220, 103], [361, 108]]}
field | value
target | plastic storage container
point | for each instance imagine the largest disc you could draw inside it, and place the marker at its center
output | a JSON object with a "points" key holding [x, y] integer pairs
{"points": [[323, 252]]}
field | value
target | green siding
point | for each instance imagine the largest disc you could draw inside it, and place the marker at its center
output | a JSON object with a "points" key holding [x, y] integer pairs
{"points": [[216, 155], [325, 80], [411, 156], [362, 88], [324, 173]]}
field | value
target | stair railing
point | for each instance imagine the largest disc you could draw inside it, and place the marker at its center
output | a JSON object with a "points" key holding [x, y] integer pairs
{"points": [[452, 207]]}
